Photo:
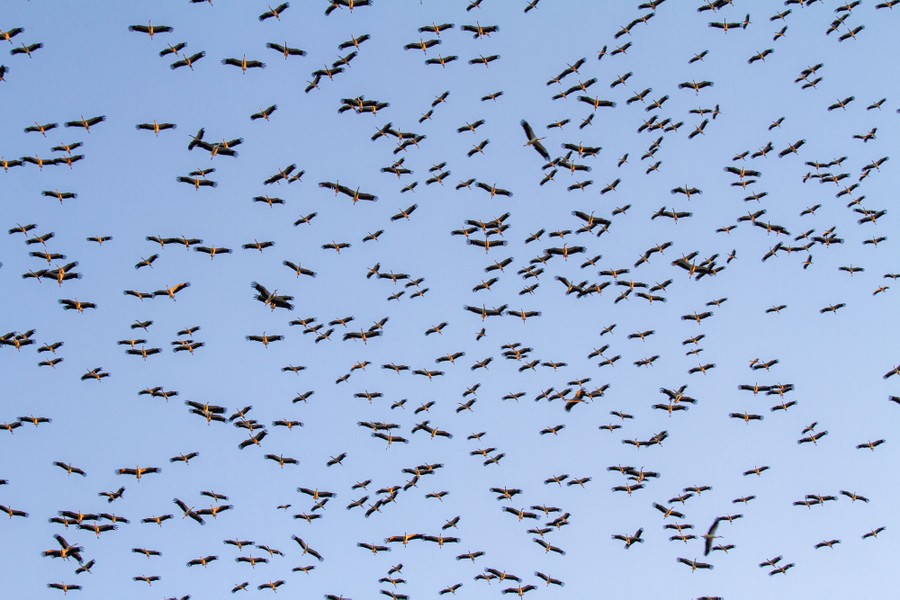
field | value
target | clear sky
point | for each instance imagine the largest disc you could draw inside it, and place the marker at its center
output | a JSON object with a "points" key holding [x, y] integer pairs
{"points": [[822, 254]]}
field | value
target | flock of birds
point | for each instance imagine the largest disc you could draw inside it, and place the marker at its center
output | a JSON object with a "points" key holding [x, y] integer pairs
{"points": [[565, 274]]}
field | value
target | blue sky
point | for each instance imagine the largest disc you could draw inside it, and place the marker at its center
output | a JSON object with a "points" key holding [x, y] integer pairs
{"points": [[126, 185]]}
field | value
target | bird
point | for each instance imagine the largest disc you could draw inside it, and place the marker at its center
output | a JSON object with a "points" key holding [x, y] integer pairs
{"points": [[851, 33], [814, 438], [354, 42], [69, 469], [86, 123], [257, 245], [870, 445], [202, 561], [781, 569], [243, 63], [274, 12], [138, 472], [760, 56], [534, 141], [9, 34], [264, 113], [480, 30], [355, 195], [171, 291], [694, 564], [41, 128], [405, 213], [186, 61], [350, 4], [870, 534], [150, 29], [630, 539], [272, 299], [596, 102], [695, 85], [64, 587]]}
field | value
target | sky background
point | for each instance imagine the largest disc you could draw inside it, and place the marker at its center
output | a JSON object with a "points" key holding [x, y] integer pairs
{"points": [[91, 64]]}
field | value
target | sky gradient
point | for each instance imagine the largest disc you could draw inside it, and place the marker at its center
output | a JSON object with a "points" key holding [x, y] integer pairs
{"points": [[822, 241]]}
